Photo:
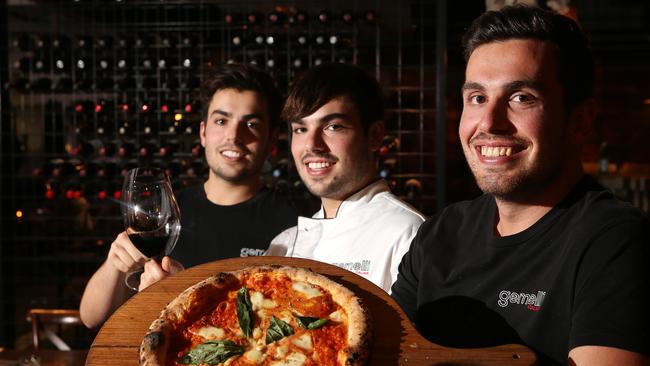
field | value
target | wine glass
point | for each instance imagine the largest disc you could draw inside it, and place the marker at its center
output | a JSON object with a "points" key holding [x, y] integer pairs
{"points": [[151, 216]]}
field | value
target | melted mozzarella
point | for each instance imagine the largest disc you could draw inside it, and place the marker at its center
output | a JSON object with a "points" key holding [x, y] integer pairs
{"points": [[294, 359], [337, 316], [306, 289], [211, 333], [259, 302], [304, 342], [281, 351], [255, 356]]}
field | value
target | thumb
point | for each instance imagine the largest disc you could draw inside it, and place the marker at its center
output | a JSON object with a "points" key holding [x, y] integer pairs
{"points": [[171, 266]]}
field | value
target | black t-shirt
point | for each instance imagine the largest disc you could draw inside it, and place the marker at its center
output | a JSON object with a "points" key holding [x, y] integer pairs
{"points": [[210, 232], [579, 276]]}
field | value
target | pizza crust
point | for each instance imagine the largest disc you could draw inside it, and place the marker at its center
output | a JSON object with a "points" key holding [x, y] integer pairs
{"points": [[195, 300]]}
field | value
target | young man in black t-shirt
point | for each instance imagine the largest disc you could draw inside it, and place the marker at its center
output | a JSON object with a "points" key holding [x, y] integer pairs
{"points": [[231, 214], [546, 257]]}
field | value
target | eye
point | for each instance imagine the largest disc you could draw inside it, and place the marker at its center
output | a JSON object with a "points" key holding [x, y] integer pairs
{"points": [[334, 127], [252, 124], [220, 121], [523, 98], [298, 130], [477, 99]]}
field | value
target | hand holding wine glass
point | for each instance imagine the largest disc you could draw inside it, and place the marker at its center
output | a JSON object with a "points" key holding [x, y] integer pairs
{"points": [[151, 215]]}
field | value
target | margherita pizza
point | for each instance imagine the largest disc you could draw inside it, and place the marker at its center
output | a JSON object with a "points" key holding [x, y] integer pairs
{"points": [[268, 315]]}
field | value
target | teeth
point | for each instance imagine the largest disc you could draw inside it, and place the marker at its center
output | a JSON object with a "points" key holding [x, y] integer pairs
{"points": [[319, 165], [494, 151], [231, 154]]}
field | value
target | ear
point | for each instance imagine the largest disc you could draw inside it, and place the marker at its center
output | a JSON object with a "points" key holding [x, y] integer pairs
{"points": [[202, 133], [582, 120], [376, 135]]}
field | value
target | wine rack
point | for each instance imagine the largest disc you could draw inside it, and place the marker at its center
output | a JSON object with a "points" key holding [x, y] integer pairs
{"points": [[93, 88]]}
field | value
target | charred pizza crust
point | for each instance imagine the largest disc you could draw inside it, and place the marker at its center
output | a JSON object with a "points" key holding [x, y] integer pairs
{"points": [[199, 298]]}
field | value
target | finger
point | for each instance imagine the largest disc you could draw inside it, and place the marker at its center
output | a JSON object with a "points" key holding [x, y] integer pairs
{"points": [[153, 273], [127, 245], [119, 258], [170, 265]]}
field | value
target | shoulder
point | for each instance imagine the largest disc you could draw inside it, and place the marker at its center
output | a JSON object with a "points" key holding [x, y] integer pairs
{"points": [[390, 205], [274, 200], [460, 217], [597, 210]]}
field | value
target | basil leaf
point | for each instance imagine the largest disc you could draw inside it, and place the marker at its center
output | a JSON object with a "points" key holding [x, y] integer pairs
{"points": [[211, 353], [245, 312], [311, 323], [277, 330]]}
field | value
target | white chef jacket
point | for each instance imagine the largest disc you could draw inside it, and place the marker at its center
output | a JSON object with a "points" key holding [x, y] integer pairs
{"points": [[371, 232]]}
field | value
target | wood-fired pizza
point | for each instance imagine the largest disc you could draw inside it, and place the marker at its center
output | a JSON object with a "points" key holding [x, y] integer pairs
{"points": [[266, 315]]}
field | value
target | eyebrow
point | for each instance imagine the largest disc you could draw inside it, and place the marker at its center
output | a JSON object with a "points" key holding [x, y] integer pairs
{"points": [[511, 86], [229, 115], [324, 119]]}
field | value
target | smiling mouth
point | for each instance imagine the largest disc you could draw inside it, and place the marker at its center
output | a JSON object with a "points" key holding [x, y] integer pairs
{"points": [[496, 151], [232, 154], [319, 165]]}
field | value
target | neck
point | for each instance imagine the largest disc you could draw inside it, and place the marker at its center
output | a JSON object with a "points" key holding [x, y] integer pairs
{"points": [[514, 216], [225, 193], [331, 205]]}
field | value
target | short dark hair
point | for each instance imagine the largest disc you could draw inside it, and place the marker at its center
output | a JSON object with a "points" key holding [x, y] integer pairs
{"points": [[575, 61], [325, 82], [243, 77]]}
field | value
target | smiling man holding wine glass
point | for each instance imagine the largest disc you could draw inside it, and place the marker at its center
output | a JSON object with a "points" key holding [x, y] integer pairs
{"points": [[240, 126]]}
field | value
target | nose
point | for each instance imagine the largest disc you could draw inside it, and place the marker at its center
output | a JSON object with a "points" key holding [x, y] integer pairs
{"points": [[232, 132], [314, 141], [494, 118]]}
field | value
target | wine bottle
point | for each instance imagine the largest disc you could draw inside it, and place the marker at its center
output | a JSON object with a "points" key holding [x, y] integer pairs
{"points": [[104, 42], [107, 149], [84, 42], [387, 167], [276, 18], [126, 149], [197, 149], [389, 145], [347, 17], [168, 40], [168, 149], [370, 17], [124, 42], [253, 18], [299, 18], [24, 65], [232, 19], [23, 42], [323, 17], [413, 189]]}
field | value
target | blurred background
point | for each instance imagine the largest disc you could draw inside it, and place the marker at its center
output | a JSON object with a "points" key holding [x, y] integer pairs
{"points": [[92, 88]]}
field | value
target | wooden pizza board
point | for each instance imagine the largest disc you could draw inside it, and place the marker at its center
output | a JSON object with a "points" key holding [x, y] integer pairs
{"points": [[396, 342]]}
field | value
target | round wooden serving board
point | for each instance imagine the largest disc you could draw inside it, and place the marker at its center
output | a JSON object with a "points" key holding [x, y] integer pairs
{"points": [[396, 342]]}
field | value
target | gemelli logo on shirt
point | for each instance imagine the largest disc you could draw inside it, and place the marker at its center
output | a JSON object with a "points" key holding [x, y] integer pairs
{"points": [[532, 301], [362, 267], [250, 252]]}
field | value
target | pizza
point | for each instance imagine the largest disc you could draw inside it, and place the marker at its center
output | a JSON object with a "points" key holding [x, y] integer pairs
{"points": [[264, 315]]}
